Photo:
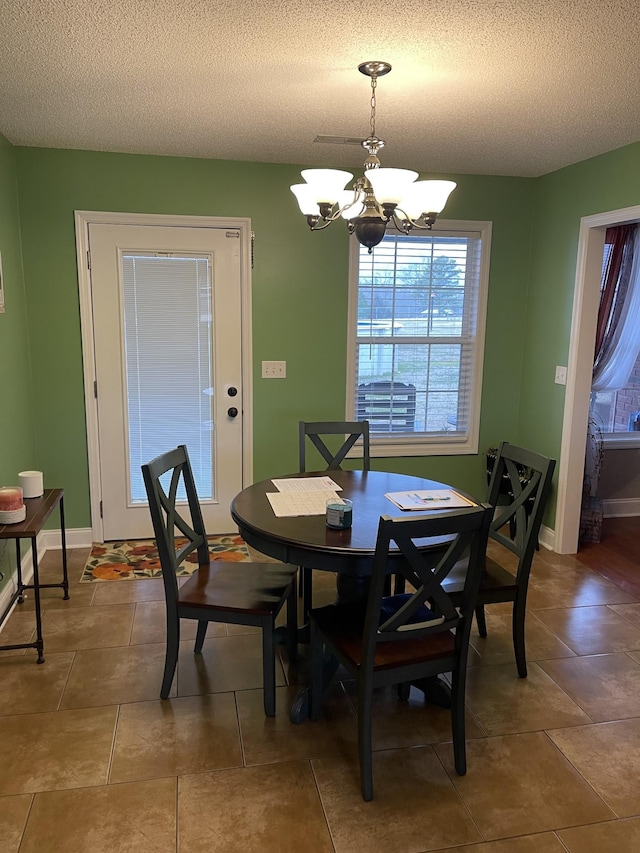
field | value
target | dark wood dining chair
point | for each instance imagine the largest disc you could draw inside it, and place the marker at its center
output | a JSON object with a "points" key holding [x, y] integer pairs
{"points": [[333, 454], [237, 593], [515, 526], [391, 640]]}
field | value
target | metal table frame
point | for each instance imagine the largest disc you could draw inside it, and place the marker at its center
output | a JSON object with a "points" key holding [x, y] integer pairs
{"points": [[38, 511]]}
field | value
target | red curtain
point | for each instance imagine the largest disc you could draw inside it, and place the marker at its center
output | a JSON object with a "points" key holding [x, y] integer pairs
{"points": [[619, 238]]}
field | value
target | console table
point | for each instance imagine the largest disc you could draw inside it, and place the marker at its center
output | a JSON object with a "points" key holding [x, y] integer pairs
{"points": [[38, 511]]}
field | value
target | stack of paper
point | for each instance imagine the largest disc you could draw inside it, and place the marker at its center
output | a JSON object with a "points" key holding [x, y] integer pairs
{"points": [[428, 499], [303, 496]]}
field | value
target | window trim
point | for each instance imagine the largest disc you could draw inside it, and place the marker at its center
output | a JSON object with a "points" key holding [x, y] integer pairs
{"points": [[394, 445]]}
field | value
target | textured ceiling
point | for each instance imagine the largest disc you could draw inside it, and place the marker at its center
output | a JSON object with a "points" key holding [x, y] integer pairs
{"points": [[503, 87]]}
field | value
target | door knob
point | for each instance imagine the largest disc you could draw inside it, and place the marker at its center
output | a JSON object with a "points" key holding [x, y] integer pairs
{"points": [[232, 412], [232, 391]]}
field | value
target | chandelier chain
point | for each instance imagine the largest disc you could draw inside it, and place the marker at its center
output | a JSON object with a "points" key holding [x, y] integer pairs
{"points": [[372, 120]]}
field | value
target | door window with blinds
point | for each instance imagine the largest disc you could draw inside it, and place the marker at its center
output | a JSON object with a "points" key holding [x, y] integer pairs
{"points": [[169, 363], [417, 318]]}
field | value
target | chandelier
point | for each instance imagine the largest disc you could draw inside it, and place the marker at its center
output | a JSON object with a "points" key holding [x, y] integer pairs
{"points": [[378, 198]]}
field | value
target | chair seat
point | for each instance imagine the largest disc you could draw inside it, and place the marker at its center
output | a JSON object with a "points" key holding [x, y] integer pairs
{"points": [[343, 625], [495, 579], [257, 588]]}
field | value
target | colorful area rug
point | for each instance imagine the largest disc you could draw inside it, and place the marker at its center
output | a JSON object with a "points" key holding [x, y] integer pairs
{"points": [[114, 561]]}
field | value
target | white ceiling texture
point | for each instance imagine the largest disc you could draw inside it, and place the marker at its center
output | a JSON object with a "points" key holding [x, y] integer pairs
{"points": [[498, 87]]}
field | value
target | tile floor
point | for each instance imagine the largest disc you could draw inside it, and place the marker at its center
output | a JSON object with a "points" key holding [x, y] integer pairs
{"points": [[91, 761]]}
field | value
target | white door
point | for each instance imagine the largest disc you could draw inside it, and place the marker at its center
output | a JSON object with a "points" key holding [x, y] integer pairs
{"points": [[168, 364]]}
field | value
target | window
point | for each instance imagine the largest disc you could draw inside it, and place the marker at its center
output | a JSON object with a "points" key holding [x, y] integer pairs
{"points": [[417, 317]]}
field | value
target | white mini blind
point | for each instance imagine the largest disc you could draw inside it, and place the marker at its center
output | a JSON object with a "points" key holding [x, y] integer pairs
{"points": [[416, 337], [168, 315]]}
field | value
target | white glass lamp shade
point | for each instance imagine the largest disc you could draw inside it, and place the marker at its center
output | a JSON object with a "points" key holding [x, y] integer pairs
{"points": [[390, 185], [425, 197], [351, 208], [327, 184], [306, 199]]}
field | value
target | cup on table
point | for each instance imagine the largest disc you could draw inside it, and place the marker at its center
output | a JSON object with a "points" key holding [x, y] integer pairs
{"points": [[339, 513]]}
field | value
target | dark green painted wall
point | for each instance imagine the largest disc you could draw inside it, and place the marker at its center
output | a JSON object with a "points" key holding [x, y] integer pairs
{"points": [[299, 298], [17, 442], [605, 183]]}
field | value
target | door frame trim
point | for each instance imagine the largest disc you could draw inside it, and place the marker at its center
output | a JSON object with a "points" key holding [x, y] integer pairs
{"points": [[85, 218], [579, 371]]}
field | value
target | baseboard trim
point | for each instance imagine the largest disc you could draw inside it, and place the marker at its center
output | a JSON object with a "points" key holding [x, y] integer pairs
{"points": [[547, 538], [79, 537], [620, 507]]}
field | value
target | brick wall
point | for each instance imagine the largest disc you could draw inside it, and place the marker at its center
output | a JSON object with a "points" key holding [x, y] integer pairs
{"points": [[628, 400]]}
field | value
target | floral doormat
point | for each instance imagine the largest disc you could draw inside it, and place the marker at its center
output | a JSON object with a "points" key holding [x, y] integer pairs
{"points": [[114, 561]]}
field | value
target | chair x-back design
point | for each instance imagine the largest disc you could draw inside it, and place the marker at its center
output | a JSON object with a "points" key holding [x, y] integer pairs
{"points": [[237, 593], [403, 638]]}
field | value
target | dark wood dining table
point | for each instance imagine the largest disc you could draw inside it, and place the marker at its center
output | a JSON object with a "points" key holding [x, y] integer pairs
{"points": [[306, 541]]}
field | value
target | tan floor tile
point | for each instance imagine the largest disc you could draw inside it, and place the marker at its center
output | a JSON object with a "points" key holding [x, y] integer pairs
{"points": [[176, 736], [268, 740], [139, 817], [608, 756], [115, 676], [592, 630], [62, 749], [87, 628], [522, 784], [415, 722], [607, 687], [269, 809], [52, 599], [13, 817], [125, 592], [150, 624], [546, 842], [415, 806], [623, 836], [497, 646], [226, 663], [29, 687], [631, 612], [505, 704], [577, 587], [20, 627]]}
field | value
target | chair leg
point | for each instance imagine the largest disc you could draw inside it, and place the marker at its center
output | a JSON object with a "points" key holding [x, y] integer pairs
{"points": [[517, 629], [171, 655], [365, 702], [292, 623], [316, 650], [200, 635], [480, 619], [268, 668], [307, 591], [458, 722], [403, 691]]}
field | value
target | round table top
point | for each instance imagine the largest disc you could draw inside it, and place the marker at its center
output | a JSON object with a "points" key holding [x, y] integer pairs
{"points": [[307, 541]]}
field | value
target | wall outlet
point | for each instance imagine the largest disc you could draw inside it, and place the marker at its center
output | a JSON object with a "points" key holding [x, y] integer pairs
{"points": [[274, 369], [561, 375]]}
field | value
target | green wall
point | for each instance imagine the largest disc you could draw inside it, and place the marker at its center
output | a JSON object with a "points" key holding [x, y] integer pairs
{"points": [[299, 299], [608, 182], [17, 444]]}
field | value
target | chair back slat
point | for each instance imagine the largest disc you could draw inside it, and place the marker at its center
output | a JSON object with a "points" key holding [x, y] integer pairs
{"points": [[168, 516], [351, 432], [429, 608], [516, 525]]}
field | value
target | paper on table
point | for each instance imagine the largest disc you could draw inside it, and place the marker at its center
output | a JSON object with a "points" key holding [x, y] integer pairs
{"points": [[306, 484], [428, 499], [301, 503]]}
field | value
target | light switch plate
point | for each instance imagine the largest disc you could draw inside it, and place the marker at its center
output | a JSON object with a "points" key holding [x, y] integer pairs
{"points": [[561, 375], [274, 369]]}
